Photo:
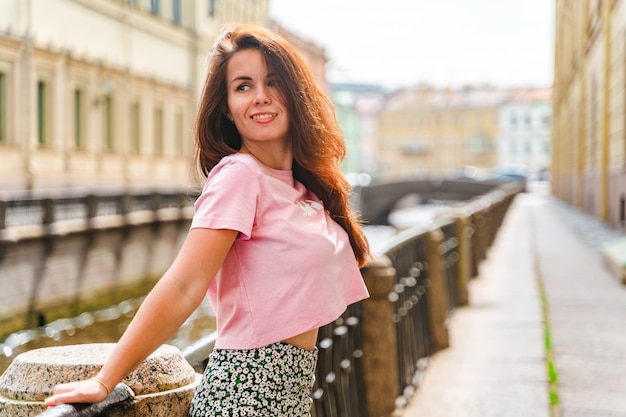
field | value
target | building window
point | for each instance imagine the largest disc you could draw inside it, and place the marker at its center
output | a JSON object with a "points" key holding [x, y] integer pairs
{"points": [[3, 108], [176, 12], [155, 7], [78, 120], [42, 116], [478, 143], [212, 8], [108, 123], [180, 135], [158, 131], [595, 125], [135, 128]]}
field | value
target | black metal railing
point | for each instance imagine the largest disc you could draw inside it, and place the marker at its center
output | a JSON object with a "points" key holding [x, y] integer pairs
{"points": [[449, 252], [43, 211], [410, 301], [339, 389], [339, 383]]}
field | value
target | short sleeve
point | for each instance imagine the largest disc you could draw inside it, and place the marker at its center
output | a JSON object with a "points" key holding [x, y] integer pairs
{"points": [[228, 200]]}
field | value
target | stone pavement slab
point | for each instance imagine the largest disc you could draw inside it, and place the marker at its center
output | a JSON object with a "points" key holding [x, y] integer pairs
{"points": [[496, 364], [587, 310]]}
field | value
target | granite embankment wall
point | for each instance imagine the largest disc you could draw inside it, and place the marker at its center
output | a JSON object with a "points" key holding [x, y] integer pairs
{"points": [[61, 268]]}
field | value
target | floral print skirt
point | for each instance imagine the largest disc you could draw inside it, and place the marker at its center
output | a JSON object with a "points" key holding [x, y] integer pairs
{"points": [[274, 380]]}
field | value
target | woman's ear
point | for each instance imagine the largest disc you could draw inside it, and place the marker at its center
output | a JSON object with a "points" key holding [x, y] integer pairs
{"points": [[228, 115]]}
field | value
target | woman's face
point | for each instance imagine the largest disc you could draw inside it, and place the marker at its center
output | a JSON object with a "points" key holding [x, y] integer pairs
{"points": [[255, 100]]}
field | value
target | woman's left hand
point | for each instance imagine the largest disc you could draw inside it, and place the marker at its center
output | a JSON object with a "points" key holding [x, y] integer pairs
{"points": [[88, 391]]}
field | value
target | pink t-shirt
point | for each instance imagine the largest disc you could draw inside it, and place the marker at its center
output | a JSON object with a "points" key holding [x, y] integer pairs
{"points": [[291, 268]]}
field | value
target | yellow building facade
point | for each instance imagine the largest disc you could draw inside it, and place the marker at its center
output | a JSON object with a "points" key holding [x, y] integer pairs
{"points": [[589, 131], [97, 93], [429, 132], [103, 92]]}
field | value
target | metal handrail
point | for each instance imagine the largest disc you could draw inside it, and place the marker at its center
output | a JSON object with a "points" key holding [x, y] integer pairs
{"points": [[121, 396], [197, 353]]}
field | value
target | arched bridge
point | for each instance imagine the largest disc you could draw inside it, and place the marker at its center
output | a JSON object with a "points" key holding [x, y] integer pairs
{"points": [[375, 202]]}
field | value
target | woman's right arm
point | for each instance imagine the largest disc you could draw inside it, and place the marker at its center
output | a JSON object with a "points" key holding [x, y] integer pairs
{"points": [[172, 300]]}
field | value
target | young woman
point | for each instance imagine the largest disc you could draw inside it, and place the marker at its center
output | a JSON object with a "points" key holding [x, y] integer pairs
{"points": [[273, 240]]}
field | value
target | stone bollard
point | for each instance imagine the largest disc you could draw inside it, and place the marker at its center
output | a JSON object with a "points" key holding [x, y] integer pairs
{"points": [[464, 234], [380, 339], [481, 235], [438, 301], [162, 385]]}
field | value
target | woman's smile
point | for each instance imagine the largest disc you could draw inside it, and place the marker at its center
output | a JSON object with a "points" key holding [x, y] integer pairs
{"points": [[264, 117]]}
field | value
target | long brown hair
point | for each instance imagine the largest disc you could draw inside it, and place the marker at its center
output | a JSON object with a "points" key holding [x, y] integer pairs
{"points": [[317, 141]]}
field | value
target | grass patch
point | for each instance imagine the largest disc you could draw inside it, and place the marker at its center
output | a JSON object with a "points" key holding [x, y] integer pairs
{"points": [[553, 375]]}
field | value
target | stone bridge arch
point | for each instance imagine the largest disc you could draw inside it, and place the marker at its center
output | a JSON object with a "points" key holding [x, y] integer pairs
{"points": [[375, 202]]}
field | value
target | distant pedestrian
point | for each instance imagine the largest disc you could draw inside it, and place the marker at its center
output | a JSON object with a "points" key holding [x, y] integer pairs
{"points": [[273, 240]]}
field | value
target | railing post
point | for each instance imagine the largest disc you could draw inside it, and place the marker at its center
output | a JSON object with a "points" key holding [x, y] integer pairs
{"points": [[125, 202], [3, 214], [479, 237], [464, 234], [162, 385], [380, 346], [438, 302], [156, 201], [48, 206], [91, 203]]}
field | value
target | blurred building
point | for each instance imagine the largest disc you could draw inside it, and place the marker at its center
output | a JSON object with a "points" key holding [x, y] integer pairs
{"points": [[357, 107], [589, 138], [428, 131], [104, 92], [313, 54], [525, 132]]}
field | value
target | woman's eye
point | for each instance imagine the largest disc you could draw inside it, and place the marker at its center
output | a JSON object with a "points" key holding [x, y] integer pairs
{"points": [[243, 87], [273, 83]]}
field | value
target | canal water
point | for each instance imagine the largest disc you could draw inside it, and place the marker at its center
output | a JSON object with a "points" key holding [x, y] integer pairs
{"points": [[106, 326]]}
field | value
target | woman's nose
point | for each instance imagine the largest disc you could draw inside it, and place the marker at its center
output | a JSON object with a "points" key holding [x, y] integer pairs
{"points": [[262, 96]]}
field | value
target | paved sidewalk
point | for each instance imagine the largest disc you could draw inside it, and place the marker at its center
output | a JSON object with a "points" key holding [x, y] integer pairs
{"points": [[496, 364]]}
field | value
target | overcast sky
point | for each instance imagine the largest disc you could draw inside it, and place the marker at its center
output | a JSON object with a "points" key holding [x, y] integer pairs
{"points": [[506, 43]]}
